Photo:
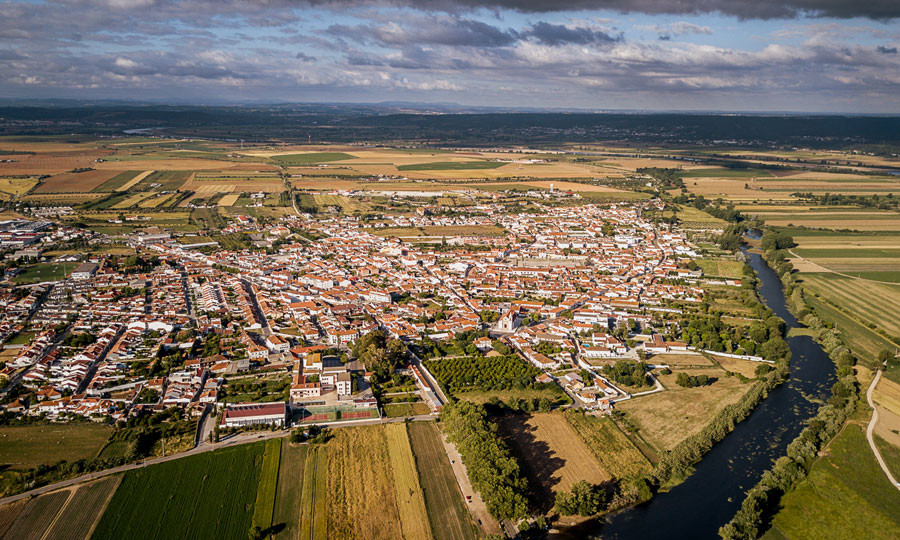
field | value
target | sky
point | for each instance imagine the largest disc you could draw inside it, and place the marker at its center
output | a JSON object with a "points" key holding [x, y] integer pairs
{"points": [[832, 56]]}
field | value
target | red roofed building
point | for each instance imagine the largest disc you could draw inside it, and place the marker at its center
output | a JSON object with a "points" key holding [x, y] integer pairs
{"points": [[248, 414]]}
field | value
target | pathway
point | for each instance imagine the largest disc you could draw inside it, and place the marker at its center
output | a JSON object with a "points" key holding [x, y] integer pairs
{"points": [[476, 505], [871, 428]]}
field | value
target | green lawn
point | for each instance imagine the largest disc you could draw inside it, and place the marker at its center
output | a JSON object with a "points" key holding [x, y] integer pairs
{"points": [[557, 397], [268, 480], [846, 495], [24, 447], [41, 272], [721, 267], [395, 410]]}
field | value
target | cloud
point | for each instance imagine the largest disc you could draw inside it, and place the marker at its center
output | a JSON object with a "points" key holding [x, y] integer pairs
{"points": [[558, 34], [666, 32], [435, 30], [305, 57], [887, 50]]}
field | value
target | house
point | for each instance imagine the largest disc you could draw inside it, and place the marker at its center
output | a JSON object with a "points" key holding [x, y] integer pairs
{"points": [[343, 384], [249, 414], [277, 344], [483, 344]]}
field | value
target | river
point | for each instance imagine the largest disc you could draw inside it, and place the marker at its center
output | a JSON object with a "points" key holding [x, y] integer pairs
{"points": [[709, 498]]}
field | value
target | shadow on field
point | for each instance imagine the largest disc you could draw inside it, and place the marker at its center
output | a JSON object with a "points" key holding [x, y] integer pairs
{"points": [[538, 462]]}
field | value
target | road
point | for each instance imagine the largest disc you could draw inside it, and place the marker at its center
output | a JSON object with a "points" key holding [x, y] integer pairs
{"points": [[871, 428]]}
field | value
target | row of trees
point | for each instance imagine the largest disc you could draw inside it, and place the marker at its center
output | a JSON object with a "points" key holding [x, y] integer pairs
{"points": [[493, 471], [380, 355], [691, 381], [481, 373], [628, 372]]}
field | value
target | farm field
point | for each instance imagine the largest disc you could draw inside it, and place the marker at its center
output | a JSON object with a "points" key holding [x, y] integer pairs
{"points": [[188, 497], [24, 447], [680, 361], [615, 452], [887, 399], [117, 182], [79, 516], [8, 515], [310, 157], [17, 186], [33, 519], [845, 491], [448, 515], [557, 397], [286, 515], [551, 453], [693, 218], [313, 507], [721, 267], [450, 165], [229, 200], [264, 508], [873, 303], [75, 182], [395, 410], [666, 418], [52, 162], [410, 499]]}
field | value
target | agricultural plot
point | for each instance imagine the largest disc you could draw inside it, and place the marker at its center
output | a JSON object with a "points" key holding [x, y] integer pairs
{"points": [[51, 162], [286, 515], [17, 186], [667, 418], [81, 512], [289, 160], [229, 199], [132, 200], [410, 500], [692, 218], [397, 410], [25, 447], [313, 499], [551, 453], [117, 182], [167, 180], [38, 513], [873, 303], [615, 452], [8, 515], [845, 495], [205, 495], [721, 267], [264, 508], [724, 173], [75, 182], [450, 165], [447, 514], [346, 204], [464, 230]]}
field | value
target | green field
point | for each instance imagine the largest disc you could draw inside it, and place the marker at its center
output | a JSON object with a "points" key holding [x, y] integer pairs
{"points": [[451, 166], [38, 273], [208, 495], [723, 173], [311, 157], [24, 447], [449, 518], [286, 517], [873, 303], [721, 267], [264, 508], [313, 507], [169, 180], [557, 395], [395, 410], [83, 509], [116, 181], [616, 453], [846, 495]]}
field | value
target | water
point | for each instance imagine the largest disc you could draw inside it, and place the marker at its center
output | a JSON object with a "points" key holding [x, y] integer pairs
{"points": [[709, 498]]}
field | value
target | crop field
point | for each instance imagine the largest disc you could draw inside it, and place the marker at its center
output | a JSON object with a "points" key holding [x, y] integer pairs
{"points": [[845, 495], [724, 173], [133, 200], [858, 220], [313, 506], [286, 515], [410, 499], [52, 162], [721, 267], [859, 337], [450, 165], [229, 200], [37, 515], [666, 418], [616, 453], [264, 508], [75, 182], [24, 447], [166, 163], [551, 453], [117, 182], [450, 520], [81, 512], [692, 218], [887, 400], [360, 483], [167, 180], [678, 361], [209, 186], [556, 397], [310, 157], [873, 303], [9, 513], [464, 230], [395, 410], [347, 204], [17, 186], [192, 497]]}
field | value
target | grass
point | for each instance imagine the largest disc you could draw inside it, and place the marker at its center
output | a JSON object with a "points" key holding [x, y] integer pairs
{"points": [[721, 267], [289, 160], [78, 517], [264, 508], [290, 486], [41, 272], [205, 495], [313, 508], [865, 343], [24, 447], [449, 518], [464, 230], [410, 500], [723, 173], [451, 166], [551, 453], [612, 448], [35, 517], [666, 418], [168, 180], [846, 494], [556, 397], [17, 186], [890, 454], [873, 303], [397, 410]]}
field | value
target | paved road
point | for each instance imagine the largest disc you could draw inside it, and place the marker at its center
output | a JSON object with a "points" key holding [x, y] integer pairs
{"points": [[871, 428]]}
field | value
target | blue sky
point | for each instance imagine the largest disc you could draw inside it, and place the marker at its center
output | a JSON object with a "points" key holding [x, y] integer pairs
{"points": [[798, 55]]}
